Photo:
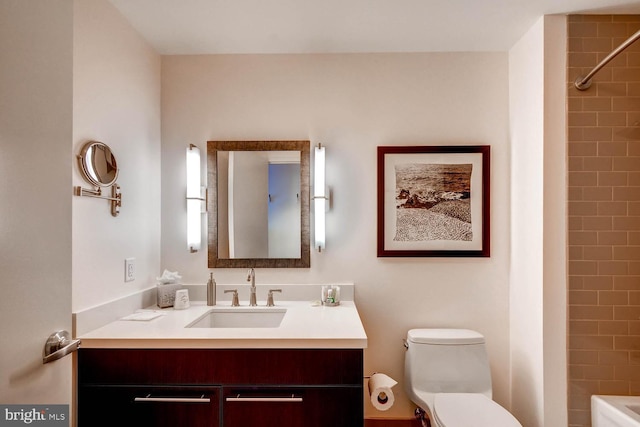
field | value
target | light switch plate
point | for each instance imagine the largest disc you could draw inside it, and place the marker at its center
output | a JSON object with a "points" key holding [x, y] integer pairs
{"points": [[129, 269]]}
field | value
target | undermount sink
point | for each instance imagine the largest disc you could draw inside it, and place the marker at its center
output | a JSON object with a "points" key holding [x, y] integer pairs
{"points": [[615, 411], [243, 317]]}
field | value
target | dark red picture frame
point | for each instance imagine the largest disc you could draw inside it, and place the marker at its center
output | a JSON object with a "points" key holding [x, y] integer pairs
{"points": [[482, 245]]}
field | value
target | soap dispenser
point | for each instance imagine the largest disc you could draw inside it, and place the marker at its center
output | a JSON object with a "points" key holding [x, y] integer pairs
{"points": [[211, 290]]}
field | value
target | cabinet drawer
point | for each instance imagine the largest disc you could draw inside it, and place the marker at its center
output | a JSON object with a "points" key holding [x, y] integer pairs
{"points": [[148, 406], [220, 366], [293, 406]]}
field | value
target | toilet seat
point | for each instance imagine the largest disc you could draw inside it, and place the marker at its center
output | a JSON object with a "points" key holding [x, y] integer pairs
{"points": [[468, 409]]}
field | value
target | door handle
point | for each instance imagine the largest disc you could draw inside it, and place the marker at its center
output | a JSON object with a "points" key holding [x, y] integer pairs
{"points": [[58, 345]]}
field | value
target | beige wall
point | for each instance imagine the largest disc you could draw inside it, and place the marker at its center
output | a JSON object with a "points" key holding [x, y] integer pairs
{"points": [[538, 224], [116, 100], [554, 299], [604, 214], [526, 64], [352, 104]]}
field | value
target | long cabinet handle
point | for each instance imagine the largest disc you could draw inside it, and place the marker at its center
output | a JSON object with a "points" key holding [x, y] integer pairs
{"points": [[150, 398], [239, 398]]}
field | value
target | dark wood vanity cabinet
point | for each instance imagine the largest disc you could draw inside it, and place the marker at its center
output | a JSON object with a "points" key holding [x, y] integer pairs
{"points": [[220, 387]]}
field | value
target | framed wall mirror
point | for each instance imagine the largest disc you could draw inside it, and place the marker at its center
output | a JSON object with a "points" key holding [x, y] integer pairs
{"points": [[258, 204]]}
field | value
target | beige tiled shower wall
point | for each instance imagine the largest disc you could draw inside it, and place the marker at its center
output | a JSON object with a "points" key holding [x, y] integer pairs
{"points": [[604, 213]]}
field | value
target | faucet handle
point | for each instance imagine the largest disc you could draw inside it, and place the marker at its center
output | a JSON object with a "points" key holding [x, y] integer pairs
{"points": [[234, 297], [270, 297]]}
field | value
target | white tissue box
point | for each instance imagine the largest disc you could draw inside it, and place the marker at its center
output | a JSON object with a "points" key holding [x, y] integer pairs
{"points": [[167, 294]]}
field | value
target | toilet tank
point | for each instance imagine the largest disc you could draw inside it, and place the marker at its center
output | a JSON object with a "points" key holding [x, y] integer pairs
{"points": [[447, 361]]}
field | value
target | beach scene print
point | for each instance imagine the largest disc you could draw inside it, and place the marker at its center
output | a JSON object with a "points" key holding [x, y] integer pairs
{"points": [[433, 202]]}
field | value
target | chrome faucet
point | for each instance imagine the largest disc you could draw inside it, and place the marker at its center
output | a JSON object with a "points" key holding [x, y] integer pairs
{"points": [[251, 277]]}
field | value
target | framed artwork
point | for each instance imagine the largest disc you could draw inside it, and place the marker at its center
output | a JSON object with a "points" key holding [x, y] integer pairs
{"points": [[433, 201]]}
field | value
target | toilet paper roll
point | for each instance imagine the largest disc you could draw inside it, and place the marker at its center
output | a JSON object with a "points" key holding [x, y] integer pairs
{"points": [[380, 386]]}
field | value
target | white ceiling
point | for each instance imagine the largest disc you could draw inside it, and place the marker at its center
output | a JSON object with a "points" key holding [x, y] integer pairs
{"points": [[323, 26]]}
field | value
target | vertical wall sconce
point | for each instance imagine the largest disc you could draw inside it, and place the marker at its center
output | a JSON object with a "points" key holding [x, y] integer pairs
{"points": [[320, 198], [194, 199]]}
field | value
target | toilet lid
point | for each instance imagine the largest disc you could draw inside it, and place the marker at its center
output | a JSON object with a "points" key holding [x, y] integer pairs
{"points": [[469, 409], [445, 336]]}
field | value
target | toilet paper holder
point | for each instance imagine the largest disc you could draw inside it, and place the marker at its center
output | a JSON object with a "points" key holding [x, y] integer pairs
{"points": [[380, 386]]}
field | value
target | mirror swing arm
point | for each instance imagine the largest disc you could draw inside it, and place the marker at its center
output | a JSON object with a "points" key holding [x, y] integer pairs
{"points": [[115, 199], [98, 167]]}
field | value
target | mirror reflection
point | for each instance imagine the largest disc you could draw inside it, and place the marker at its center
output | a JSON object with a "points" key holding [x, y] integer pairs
{"points": [[258, 204], [98, 164]]}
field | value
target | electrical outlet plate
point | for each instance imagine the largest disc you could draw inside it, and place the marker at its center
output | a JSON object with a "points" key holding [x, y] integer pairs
{"points": [[129, 269]]}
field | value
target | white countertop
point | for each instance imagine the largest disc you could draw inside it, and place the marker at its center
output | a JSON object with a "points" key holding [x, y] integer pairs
{"points": [[304, 326]]}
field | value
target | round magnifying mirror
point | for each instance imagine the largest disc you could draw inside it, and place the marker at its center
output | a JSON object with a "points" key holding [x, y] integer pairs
{"points": [[98, 164]]}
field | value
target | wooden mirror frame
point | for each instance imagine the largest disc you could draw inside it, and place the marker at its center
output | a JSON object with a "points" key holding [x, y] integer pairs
{"points": [[212, 204]]}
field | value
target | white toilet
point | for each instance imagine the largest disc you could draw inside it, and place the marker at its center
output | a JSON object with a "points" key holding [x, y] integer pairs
{"points": [[447, 374]]}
